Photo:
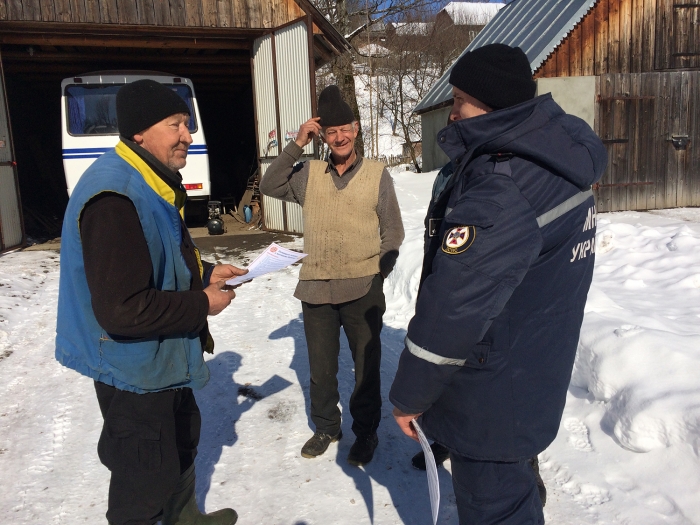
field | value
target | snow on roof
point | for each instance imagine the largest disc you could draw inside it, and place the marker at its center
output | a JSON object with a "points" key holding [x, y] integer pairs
{"points": [[472, 13], [535, 26], [374, 49], [412, 28]]}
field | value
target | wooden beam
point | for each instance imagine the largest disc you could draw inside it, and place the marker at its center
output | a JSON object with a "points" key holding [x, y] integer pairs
{"points": [[601, 37], [588, 44], [40, 57], [625, 36], [128, 30], [151, 42], [67, 69], [576, 51]]}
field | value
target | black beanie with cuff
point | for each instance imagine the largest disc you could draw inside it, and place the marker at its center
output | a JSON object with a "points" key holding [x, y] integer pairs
{"points": [[143, 103], [495, 74], [332, 109]]}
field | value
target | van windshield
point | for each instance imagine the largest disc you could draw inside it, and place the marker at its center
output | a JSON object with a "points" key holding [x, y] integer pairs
{"points": [[92, 110]]}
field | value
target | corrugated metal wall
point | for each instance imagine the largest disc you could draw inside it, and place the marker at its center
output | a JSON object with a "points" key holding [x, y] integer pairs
{"points": [[295, 218], [292, 49], [282, 56], [265, 106], [10, 218], [275, 210]]}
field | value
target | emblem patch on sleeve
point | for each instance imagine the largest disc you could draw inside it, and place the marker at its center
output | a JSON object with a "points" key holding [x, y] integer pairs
{"points": [[458, 240]]}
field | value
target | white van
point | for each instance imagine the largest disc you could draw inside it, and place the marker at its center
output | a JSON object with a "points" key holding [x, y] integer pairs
{"points": [[89, 125]]}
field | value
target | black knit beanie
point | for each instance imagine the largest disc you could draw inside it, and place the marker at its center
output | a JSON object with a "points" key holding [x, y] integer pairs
{"points": [[143, 103], [332, 109], [496, 74]]}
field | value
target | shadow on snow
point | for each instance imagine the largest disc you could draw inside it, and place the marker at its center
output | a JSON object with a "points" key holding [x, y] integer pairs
{"points": [[391, 466]]}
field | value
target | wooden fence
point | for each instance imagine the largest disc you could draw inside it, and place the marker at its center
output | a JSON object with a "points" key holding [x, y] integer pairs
{"points": [[650, 124], [395, 160]]}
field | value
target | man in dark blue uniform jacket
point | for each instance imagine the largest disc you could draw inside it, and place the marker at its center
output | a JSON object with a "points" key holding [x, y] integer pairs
{"points": [[507, 268]]}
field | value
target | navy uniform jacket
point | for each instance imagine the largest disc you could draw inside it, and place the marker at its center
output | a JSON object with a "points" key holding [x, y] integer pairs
{"points": [[506, 272]]}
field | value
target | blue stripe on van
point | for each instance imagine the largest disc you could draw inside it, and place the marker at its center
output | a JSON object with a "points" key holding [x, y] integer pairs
{"points": [[93, 153], [85, 150]]}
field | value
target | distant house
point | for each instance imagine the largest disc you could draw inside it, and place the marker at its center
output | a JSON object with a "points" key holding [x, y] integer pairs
{"points": [[630, 68]]}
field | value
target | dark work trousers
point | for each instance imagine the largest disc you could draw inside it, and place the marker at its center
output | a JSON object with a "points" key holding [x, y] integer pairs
{"points": [[495, 493], [147, 441], [362, 321]]}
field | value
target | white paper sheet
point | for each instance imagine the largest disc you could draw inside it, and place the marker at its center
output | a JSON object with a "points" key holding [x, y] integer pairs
{"points": [[431, 471], [272, 259]]}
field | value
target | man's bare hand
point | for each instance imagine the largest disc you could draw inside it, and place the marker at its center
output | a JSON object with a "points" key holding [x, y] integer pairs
{"points": [[218, 292], [404, 422], [308, 130], [220, 296], [224, 272]]}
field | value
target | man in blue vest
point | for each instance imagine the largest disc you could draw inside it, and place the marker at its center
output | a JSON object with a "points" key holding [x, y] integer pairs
{"points": [[506, 272], [134, 296]]}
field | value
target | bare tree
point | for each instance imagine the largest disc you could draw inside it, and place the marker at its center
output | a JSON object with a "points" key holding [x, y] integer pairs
{"points": [[351, 18], [421, 48]]}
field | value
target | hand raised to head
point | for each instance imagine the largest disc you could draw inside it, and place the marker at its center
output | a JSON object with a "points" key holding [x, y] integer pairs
{"points": [[308, 130]]}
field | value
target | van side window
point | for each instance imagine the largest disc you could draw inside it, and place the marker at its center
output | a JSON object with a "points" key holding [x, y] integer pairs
{"points": [[92, 110]]}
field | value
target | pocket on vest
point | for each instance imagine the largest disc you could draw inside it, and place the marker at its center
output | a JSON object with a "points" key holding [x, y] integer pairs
{"points": [[152, 364]]}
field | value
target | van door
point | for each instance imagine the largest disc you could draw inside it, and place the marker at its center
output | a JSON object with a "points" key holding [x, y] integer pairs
{"points": [[11, 224], [281, 107]]}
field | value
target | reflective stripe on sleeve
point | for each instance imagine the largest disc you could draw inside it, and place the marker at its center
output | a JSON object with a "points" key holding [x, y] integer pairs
{"points": [[423, 354]]}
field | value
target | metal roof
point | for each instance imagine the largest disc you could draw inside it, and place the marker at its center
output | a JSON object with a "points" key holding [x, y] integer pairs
{"points": [[535, 26]]}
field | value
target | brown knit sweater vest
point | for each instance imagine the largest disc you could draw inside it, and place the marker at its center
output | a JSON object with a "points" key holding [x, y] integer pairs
{"points": [[341, 227]]}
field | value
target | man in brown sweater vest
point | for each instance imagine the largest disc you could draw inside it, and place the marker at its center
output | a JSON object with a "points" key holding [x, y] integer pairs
{"points": [[352, 233]]}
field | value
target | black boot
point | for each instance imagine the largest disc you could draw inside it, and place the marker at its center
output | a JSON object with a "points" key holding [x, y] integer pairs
{"points": [[440, 453], [182, 509], [362, 451], [318, 444], [535, 464]]}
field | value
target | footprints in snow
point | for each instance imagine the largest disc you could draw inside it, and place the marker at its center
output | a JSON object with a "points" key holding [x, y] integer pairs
{"points": [[578, 434], [647, 501], [628, 330], [590, 496], [587, 495]]}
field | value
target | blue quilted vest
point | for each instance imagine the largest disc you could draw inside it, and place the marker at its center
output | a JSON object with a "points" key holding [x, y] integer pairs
{"points": [[142, 365]]}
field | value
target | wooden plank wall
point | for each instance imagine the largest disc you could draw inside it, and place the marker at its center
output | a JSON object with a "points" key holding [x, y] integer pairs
{"points": [[638, 115], [685, 40], [184, 13], [616, 36], [629, 36]]}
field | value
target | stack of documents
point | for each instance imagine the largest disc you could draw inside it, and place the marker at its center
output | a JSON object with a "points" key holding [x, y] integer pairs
{"points": [[272, 259]]}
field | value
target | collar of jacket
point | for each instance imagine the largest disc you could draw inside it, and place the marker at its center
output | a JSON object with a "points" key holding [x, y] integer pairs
{"points": [[157, 181], [492, 132]]}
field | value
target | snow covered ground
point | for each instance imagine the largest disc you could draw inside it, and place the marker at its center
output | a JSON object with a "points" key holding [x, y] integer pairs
{"points": [[627, 450]]}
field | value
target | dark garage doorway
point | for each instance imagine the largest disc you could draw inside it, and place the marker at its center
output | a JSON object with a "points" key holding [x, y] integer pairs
{"points": [[33, 77]]}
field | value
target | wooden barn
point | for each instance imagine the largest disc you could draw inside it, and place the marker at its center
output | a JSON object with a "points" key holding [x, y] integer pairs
{"points": [[631, 68], [252, 63]]}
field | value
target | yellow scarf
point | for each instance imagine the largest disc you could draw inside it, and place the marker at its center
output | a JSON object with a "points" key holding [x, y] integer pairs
{"points": [[176, 198]]}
